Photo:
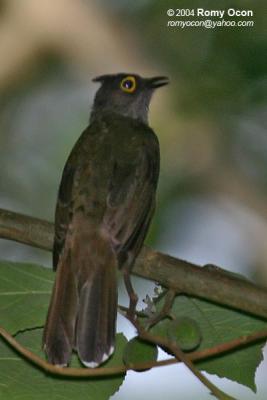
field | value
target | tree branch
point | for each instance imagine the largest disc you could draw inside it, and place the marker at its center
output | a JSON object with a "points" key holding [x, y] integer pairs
{"points": [[208, 282]]}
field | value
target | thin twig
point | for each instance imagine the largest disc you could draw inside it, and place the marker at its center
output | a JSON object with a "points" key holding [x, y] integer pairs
{"points": [[181, 356], [109, 371], [164, 312], [123, 310]]}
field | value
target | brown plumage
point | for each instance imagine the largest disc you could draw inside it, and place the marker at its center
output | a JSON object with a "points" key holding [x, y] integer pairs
{"points": [[105, 204]]}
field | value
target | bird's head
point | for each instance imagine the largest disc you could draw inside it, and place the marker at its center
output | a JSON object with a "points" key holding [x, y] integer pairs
{"points": [[126, 94]]}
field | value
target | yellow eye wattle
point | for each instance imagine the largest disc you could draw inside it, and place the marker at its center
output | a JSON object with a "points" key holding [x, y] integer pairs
{"points": [[128, 84]]}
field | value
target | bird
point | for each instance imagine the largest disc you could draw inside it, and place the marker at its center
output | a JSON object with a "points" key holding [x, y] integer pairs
{"points": [[106, 200]]}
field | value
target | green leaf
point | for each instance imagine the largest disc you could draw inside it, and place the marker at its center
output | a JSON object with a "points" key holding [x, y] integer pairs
{"points": [[137, 351], [218, 325], [25, 291], [19, 379]]}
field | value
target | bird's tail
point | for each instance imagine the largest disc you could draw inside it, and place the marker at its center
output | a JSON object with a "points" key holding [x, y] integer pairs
{"points": [[83, 309]]}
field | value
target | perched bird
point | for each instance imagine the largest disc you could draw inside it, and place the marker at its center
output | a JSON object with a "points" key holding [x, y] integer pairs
{"points": [[105, 204]]}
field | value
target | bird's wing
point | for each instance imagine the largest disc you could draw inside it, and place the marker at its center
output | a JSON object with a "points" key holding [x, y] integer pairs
{"points": [[131, 198], [86, 170], [131, 193], [63, 211]]}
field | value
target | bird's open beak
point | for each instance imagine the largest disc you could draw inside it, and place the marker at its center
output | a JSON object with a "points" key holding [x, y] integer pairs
{"points": [[158, 81]]}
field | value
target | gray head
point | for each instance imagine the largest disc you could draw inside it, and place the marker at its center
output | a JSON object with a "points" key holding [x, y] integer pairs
{"points": [[126, 94]]}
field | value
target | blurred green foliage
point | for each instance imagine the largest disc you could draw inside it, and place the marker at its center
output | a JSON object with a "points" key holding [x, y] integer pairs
{"points": [[213, 70]]}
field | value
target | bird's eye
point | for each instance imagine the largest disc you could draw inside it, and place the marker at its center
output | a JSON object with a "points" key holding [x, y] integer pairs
{"points": [[128, 84]]}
